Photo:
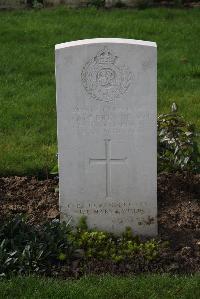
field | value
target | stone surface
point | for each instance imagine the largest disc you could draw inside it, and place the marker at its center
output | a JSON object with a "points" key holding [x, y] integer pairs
{"points": [[106, 108]]}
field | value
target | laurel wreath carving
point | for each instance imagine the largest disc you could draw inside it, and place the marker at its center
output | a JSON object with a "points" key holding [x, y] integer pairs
{"points": [[116, 78]]}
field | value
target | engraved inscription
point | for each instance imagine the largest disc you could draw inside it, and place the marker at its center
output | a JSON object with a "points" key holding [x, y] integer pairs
{"points": [[108, 207], [121, 212], [107, 161], [90, 120], [131, 211], [104, 78]]}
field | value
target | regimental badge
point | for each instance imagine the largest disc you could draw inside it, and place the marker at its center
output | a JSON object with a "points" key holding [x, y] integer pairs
{"points": [[103, 78]]}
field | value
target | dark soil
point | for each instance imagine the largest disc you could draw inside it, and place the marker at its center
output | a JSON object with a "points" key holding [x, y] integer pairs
{"points": [[178, 220]]}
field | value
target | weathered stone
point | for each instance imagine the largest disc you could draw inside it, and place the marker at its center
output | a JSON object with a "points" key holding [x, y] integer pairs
{"points": [[106, 105]]}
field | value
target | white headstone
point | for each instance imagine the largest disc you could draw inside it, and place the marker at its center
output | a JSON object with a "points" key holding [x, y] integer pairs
{"points": [[106, 109]]}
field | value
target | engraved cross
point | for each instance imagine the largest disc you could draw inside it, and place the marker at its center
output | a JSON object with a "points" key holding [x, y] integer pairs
{"points": [[108, 161]]}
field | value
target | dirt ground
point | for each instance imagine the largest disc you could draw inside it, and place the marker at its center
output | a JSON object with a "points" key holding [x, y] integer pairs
{"points": [[178, 216]]}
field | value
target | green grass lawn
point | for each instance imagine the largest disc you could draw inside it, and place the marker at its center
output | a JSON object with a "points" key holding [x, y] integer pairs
{"points": [[27, 84], [103, 287]]}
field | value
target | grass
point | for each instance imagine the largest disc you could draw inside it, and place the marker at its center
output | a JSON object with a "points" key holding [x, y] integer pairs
{"points": [[103, 287], [27, 84]]}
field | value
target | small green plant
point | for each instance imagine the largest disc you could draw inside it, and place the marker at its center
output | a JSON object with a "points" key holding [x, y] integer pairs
{"points": [[25, 248], [82, 225], [37, 4], [177, 144], [54, 170], [104, 245]]}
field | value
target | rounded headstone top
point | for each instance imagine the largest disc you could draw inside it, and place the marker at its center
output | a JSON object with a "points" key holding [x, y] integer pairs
{"points": [[104, 41]]}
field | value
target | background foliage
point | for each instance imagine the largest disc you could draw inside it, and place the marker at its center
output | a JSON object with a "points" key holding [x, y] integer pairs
{"points": [[177, 143], [27, 84]]}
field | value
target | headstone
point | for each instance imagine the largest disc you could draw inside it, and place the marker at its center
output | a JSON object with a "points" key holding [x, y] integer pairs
{"points": [[106, 109]]}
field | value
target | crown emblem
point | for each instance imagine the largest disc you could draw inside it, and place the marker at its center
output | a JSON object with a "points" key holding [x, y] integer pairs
{"points": [[105, 56]]}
